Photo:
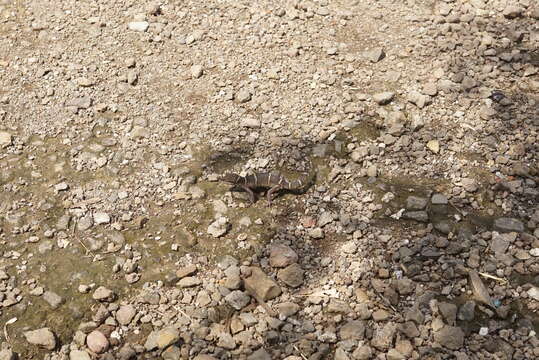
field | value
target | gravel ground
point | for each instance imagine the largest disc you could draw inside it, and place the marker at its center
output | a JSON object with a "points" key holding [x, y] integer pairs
{"points": [[418, 240]]}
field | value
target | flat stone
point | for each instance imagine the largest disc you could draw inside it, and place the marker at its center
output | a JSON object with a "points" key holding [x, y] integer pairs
{"points": [[83, 102], [374, 55], [416, 203], [439, 199], [508, 224], [338, 306], [467, 311], [5, 139], [513, 11], [189, 281], [260, 285], [173, 352], [101, 218], [125, 314], [204, 357], [167, 337], [292, 275], [243, 96], [250, 122], [103, 294], [53, 299], [219, 227], [469, 184], [421, 216], [287, 309], [451, 337], [430, 89], [186, 271], [393, 354], [97, 342], [363, 352], [282, 255], [141, 26], [448, 311], [43, 337], [383, 98]]}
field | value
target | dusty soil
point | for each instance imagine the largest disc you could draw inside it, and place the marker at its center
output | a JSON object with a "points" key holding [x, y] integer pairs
{"points": [[418, 239]]}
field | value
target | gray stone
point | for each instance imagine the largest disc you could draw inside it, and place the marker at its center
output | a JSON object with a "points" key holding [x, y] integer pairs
{"points": [[469, 185], [338, 306], [508, 225], [43, 337], [259, 354], [416, 203], [238, 299], [467, 311], [225, 261], [53, 299], [260, 285], [383, 98], [421, 216], [282, 256], [499, 244], [226, 341], [439, 199], [287, 309], [448, 311], [292, 275], [451, 337], [219, 227]]}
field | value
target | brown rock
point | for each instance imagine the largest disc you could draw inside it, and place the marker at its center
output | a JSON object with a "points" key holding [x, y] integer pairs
{"points": [[260, 285]]}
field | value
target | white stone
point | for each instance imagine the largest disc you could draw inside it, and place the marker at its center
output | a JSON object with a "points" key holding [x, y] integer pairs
{"points": [[138, 26]]}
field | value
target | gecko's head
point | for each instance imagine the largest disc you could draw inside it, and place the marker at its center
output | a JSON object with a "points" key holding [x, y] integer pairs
{"points": [[230, 178]]}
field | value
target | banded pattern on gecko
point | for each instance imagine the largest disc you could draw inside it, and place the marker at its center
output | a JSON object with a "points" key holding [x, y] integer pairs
{"points": [[274, 181]]}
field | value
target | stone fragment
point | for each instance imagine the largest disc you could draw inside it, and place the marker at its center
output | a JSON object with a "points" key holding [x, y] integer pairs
{"points": [[167, 337], [196, 71], [140, 26], [259, 354], [374, 55], [287, 309], [238, 299], [439, 199], [363, 352], [533, 293], [467, 311], [219, 227], [204, 357], [103, 294], [416, 203], [451, 337], [383, 98], [250, 122], [243, 95], [43, 337], [260, 285], [292, 275], [186, 271], [101, 218], [189, 281], [7, 354], [383, 336], [421, 216], [434, 146], [53, 299], [419, 99], [513, 11], [83, 102], [469, 184], [282, 255], [449, 312], [5, 139]]}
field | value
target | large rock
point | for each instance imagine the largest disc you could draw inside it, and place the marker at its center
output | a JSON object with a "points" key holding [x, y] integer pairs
{"points": [[451, 337], [352, 330], [383, 336], [125, 314], [103, 294], [97, 342], [238, 299], [5, 139], [261, 286], [43, 337], [282, 255]]}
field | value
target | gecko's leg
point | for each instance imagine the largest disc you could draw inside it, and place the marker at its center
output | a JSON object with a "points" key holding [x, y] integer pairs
{"points": [[250, 192], [271, 192]]}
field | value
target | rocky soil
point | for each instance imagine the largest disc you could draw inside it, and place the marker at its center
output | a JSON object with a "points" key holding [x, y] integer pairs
{"points": [[418, 240]]}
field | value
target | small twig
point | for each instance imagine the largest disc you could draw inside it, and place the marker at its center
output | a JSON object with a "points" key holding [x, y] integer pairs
{"points": [[183, 313], [10, 321], [302, 355], [503, 281]]}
